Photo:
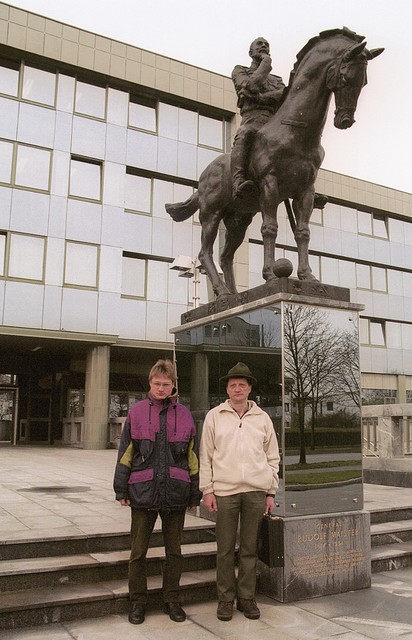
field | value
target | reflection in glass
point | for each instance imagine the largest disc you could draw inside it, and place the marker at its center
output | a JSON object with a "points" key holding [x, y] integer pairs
{"points": [[90, 100], [39, 86], [26, 257], [211, 132], [306, 361], [138, 192], [33, 167], [133, 277], [6, 157], [9, 80], [85, 179]]}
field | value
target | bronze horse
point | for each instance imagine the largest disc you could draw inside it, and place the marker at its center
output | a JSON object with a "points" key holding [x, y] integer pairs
{"points": [[284, 159]]}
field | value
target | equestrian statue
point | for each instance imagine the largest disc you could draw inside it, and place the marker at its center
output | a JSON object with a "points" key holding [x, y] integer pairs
{"points": [[277, 150]]}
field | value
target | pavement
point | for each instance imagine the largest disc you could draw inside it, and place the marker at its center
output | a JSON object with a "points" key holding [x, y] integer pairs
{"points": [[52, 491]]}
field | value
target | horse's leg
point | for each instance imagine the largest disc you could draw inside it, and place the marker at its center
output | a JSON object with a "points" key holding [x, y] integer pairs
{"points": [[210, 225], [236, 226], [269, 206], [303, 210]]}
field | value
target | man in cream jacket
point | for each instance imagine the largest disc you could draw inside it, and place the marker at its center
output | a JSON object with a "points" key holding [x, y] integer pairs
{"points": [[239, 463]]}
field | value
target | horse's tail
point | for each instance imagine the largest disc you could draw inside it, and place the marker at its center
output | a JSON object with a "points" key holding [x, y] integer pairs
{"points": [[181, 211]]}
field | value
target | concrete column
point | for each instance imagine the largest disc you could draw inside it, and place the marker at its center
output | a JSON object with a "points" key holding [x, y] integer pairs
{"points": [[96, 398]]}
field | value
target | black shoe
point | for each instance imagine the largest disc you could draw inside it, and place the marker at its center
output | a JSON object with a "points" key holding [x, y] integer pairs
{"points": [[249, 608], [136, 613], [225, 610], [175, 611]]}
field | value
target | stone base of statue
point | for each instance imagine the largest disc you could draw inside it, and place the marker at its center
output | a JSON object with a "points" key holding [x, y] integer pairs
{"points": [[309, 556], [301, 341]]}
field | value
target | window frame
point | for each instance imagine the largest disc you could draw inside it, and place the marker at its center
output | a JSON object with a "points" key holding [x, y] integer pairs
{"points": [[86, 161]]}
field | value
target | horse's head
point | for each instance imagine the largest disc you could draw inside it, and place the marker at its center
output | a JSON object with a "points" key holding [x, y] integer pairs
{"points": [[346, 77]]}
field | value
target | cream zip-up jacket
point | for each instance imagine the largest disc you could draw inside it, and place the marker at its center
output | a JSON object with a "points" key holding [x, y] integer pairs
{"points": [[238, 454]]}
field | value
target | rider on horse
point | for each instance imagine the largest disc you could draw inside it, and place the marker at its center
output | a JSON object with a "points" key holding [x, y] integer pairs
{"points": [[259, 94]]}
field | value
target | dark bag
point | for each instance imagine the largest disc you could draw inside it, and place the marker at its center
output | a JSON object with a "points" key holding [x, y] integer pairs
{"points": [[270, 547]]}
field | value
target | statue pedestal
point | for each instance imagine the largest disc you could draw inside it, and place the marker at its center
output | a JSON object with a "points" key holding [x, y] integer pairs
{"points": [[301, 341], [309, 556]]}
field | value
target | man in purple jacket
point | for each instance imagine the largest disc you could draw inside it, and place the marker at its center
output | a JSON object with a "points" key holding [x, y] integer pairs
{"points": [[157, 473]]}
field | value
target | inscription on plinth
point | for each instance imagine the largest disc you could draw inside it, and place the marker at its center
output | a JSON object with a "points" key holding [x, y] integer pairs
{"points": [[321, 556]]}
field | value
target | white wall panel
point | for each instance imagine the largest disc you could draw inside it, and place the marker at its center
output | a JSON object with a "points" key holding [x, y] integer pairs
{"points": [[116, 143], [57, 217], [63, 131], [132, 319], [113, 219], [113, 184], [52, 307], [167, 156], [156, 322], [108, 317], [137, 233], [162, 237], [141, 150], [23, 304], [65, 93], [79, 310], [186, 161], [110, 278], [84, 221], [36, 125], [29, 212], [55, 261], [60, 173], [88, 137], [117, 107]]}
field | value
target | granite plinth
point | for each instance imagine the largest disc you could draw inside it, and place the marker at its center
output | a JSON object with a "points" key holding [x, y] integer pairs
{"points": [[311, 556], [290, 286]]}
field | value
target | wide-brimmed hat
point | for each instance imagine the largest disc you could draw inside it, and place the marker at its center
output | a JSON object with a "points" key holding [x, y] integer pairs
{"points": [[240, 370]]}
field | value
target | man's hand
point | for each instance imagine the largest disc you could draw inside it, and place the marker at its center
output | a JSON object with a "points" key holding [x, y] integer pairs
{"points": [[125, 502], [270, 505], [210, 502]]}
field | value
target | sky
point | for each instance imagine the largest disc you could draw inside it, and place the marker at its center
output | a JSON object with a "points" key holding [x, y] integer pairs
{"points": [[216, 34]]}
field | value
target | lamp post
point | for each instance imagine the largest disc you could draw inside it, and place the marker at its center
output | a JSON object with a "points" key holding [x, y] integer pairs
{"points": [[189, 268]]}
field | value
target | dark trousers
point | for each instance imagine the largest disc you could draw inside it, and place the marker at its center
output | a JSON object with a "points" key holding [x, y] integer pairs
{"points": [[246, 510], [143, 522]]}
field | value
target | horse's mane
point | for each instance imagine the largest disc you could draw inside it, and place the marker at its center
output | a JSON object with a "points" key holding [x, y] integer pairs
{"points": [[323, 35]]}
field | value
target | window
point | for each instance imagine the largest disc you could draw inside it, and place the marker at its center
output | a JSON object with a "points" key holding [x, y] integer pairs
{"points": [[373, 278], [85, 179], [39, 86], [329, 405], [133, 276], [372, 332], [81, 264], [9, 78], [33, 167], [3, 239], [211, 132], [142, 115], [22, 256], [372, 225], [317, 216], [6, 160], [26, 259], [138, 193], [90, 100]]}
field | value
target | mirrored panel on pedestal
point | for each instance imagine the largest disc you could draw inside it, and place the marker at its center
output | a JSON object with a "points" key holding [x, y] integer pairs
{"points": [[306, 361]]}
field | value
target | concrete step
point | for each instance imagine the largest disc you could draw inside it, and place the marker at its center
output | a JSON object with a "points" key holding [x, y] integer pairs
{"points": [[33, 607], [386, 533], [390, 515], [390, 557], [57, 571], [73, 545]]}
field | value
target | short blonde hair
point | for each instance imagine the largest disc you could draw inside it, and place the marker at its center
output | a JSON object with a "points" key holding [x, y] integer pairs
{"points": [[165, 368]]}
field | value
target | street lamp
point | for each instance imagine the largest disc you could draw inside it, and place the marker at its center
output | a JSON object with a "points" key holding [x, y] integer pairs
{"points": [[189, 268]]}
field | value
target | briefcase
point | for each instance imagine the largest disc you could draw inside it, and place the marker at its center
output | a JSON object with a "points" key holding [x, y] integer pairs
{"points": [[270, 547]]}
